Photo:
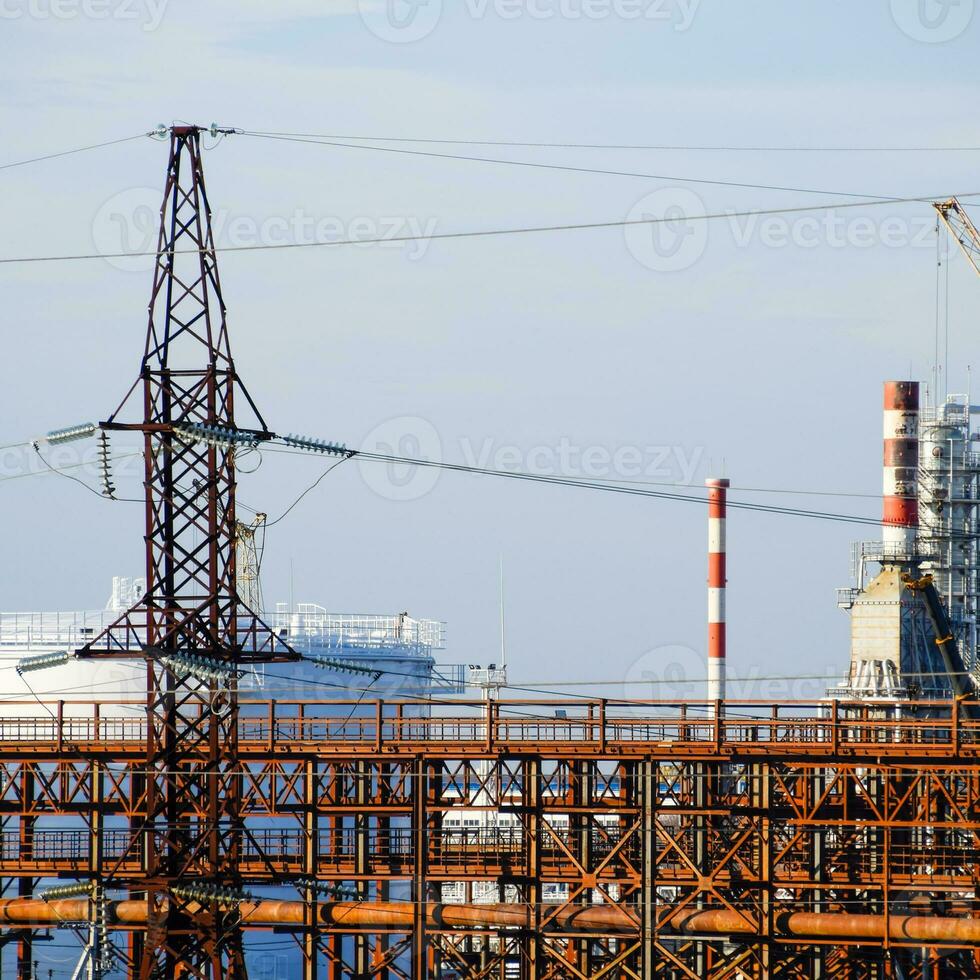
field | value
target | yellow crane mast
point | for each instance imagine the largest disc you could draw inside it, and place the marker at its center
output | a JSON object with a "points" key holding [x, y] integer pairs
{"points": [[962, 229]]}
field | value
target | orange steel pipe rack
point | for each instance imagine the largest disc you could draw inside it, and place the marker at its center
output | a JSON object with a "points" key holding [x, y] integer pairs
{"points": [[630, 839]]}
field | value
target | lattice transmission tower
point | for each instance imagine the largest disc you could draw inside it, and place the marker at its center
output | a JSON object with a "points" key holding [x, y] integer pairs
{"points": [[191, 627]]}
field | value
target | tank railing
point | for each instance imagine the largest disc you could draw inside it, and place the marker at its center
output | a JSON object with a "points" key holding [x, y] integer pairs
{"points": [[312, 624], [486, 725], [28, 630], [73, 628]]}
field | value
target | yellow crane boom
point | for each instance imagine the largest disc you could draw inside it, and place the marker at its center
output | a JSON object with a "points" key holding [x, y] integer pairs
{"points": [[962, 229]]}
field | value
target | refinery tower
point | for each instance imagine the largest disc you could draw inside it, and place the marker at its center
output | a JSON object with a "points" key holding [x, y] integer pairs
{"points": [[914, 605]]}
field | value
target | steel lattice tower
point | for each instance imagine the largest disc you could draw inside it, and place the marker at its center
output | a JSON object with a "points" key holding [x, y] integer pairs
{"points": [[192, 833]]}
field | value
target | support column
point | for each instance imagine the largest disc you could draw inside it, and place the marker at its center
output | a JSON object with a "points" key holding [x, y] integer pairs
{"points": [[25, 886], [699, 774], [533, 967], [760, 789], [420, 891], [580, 825], [647, 793], [818, 868], [311, 939], [362, 945]]}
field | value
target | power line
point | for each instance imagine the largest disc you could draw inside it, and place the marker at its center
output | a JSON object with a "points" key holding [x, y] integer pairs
{"points": [[495, 232], [621, 488], [67, 476], [564, 167], [81, 483], [309, 489], [608, 487], [636, 146], [627, 487], [603, 487], [16, 445], [77, 149], [857, 494]]}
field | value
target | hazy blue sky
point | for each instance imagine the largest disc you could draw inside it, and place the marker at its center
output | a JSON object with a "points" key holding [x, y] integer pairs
{"points": [[758, 347]]}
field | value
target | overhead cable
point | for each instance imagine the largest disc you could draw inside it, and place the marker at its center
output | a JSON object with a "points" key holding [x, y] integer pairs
{"points": [[743, 148], [538, 165], [497, 232]]}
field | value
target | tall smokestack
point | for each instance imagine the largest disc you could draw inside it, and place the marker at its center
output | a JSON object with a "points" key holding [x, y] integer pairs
{"points": [[900, 508], [717, 512]]}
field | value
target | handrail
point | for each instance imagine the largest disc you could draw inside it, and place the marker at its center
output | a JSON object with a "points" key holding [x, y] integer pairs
{"points": [[590, 725]]}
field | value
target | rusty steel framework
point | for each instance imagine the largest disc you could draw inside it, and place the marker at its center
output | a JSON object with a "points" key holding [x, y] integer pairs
{"points": [[792, 841]]}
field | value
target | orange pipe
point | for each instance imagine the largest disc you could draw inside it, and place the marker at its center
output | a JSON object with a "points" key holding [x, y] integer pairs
{"points": [[595, 918], [354, 914], [909, 928], [35, 910]]}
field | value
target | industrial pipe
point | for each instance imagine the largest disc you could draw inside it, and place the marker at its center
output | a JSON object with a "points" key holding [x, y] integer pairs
{"points": [[824, 925], [596, 918], [360, 915]]}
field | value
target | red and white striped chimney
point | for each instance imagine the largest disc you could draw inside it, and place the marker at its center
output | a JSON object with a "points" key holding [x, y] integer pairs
{"points": [[717, 512], [900, 506]]}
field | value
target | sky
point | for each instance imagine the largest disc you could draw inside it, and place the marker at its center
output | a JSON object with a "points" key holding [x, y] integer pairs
{"points": [[750, 347]]}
